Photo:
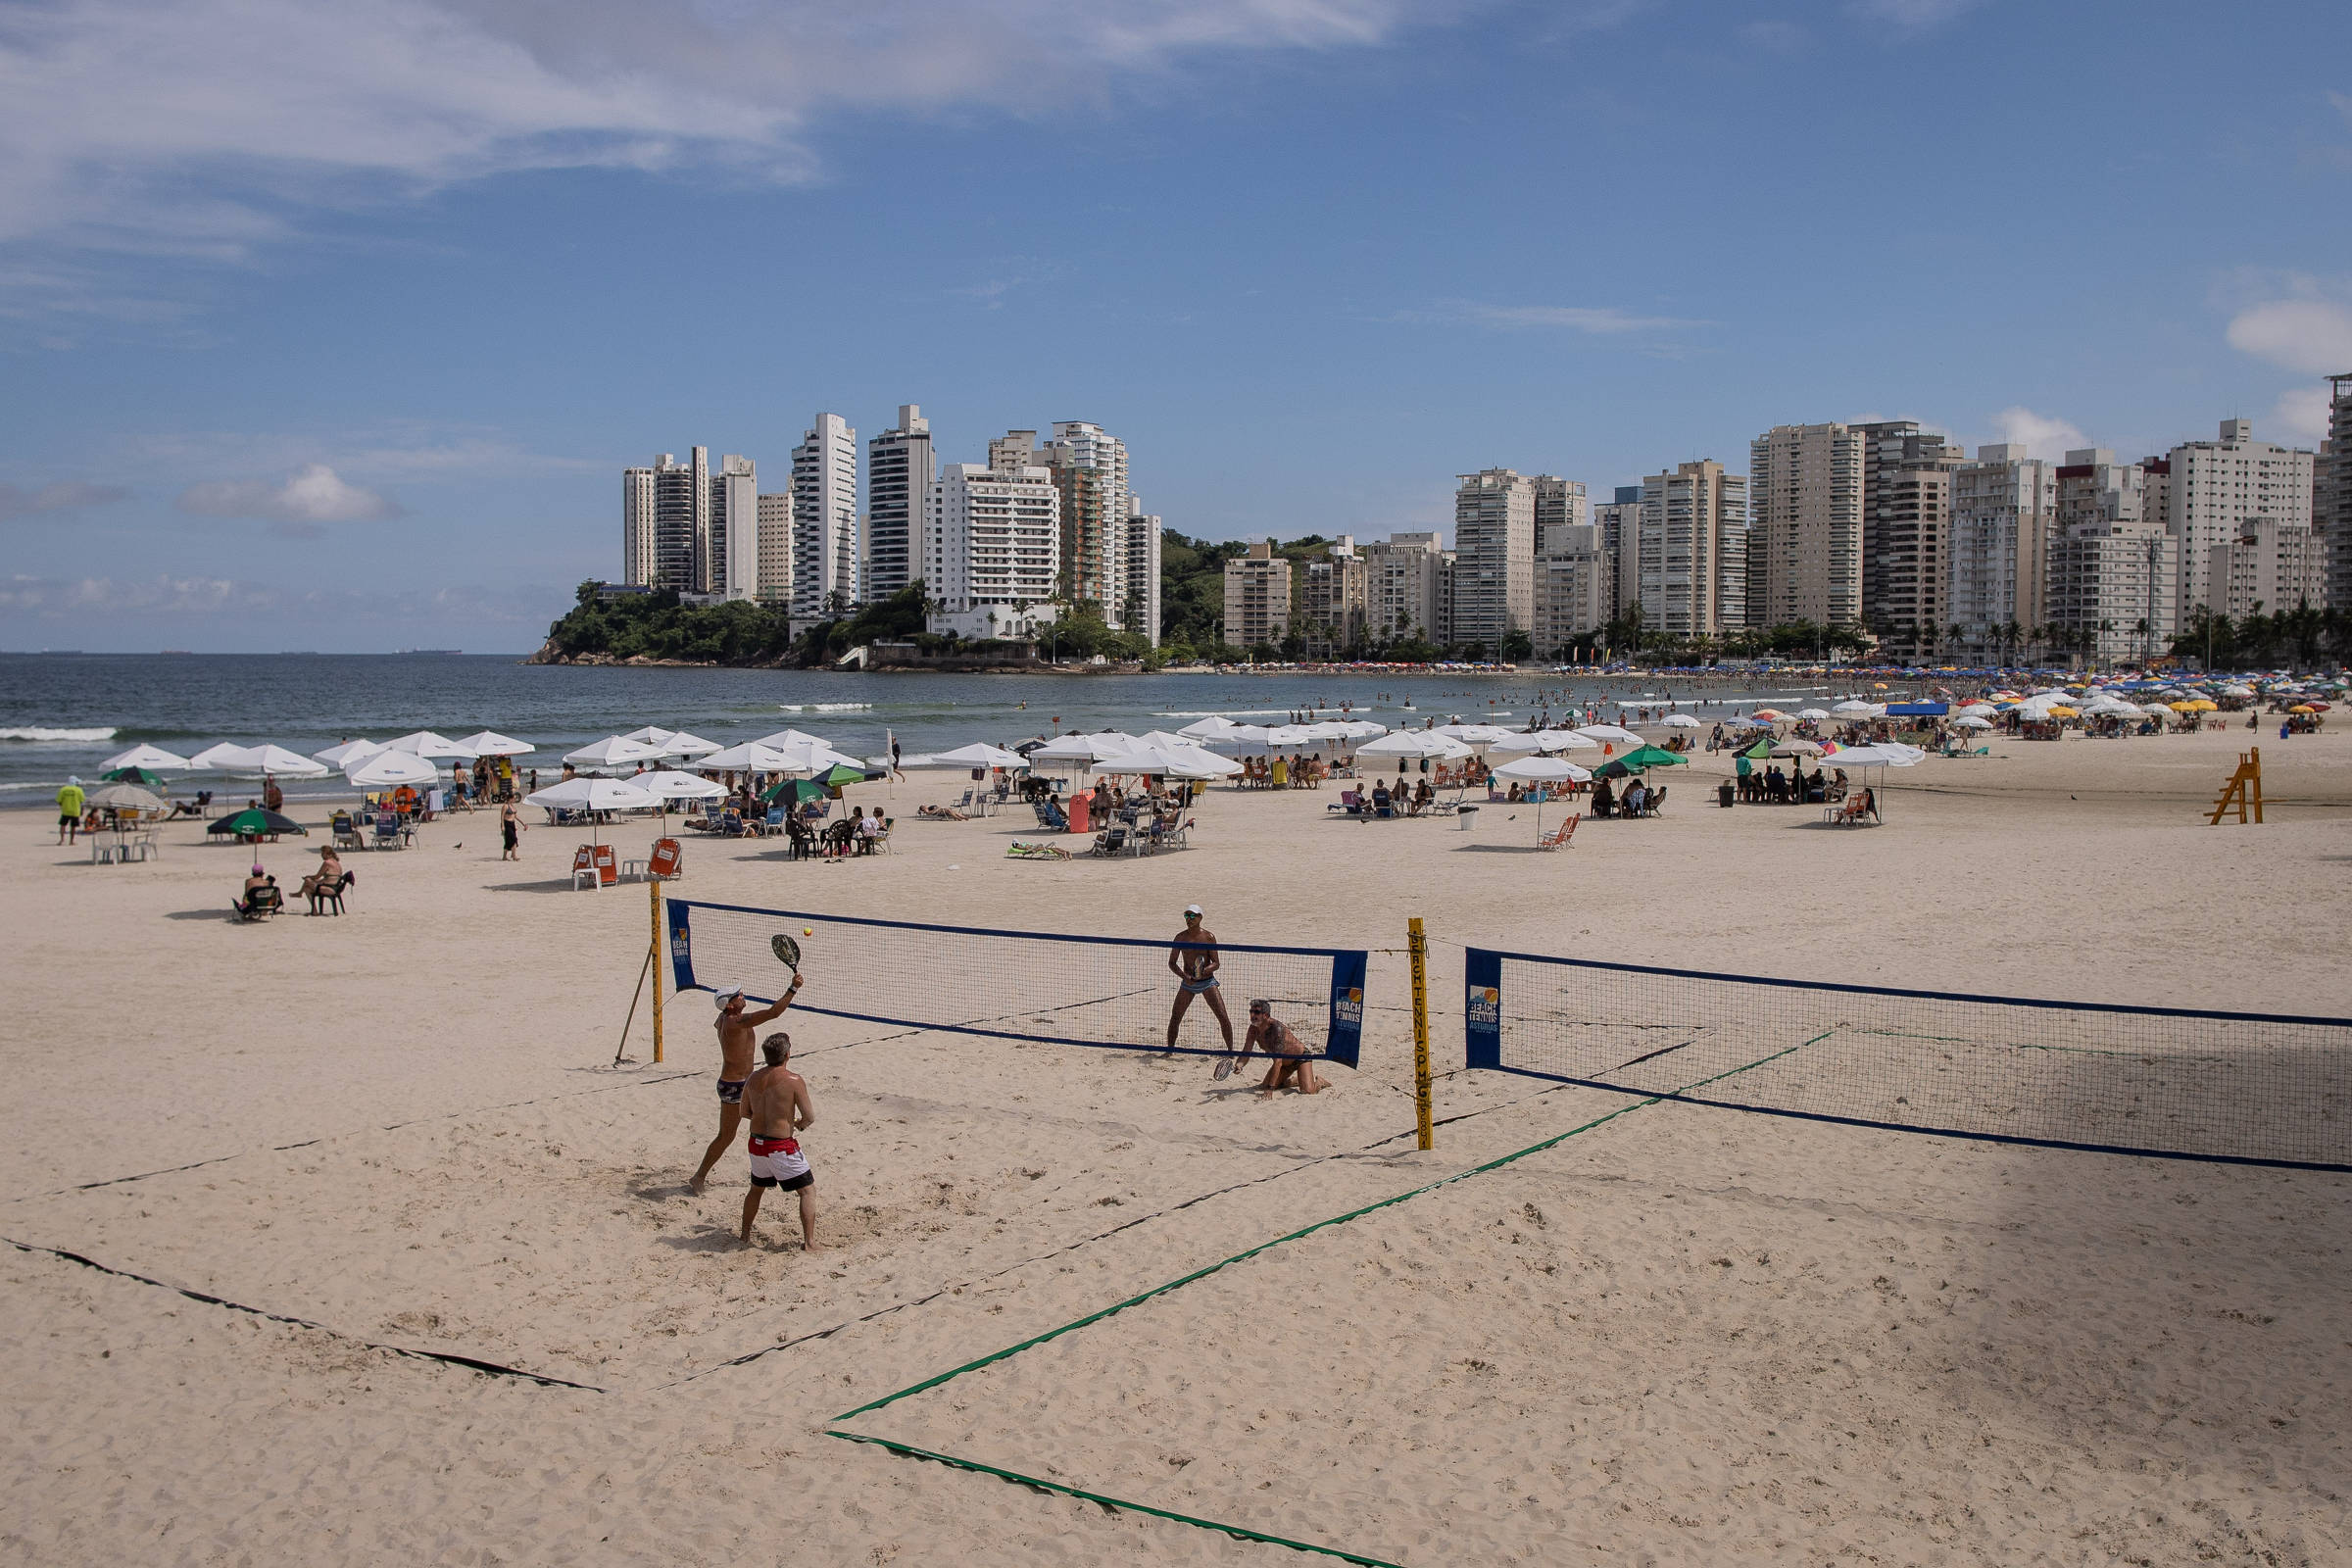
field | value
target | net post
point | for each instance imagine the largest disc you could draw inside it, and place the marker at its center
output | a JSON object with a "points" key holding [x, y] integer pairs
{"points": [[1418, 944], [2254, 782], [655, 883]]}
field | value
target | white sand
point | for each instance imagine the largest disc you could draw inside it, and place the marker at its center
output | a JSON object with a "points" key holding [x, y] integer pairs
{"points": [[1686, 1336]]}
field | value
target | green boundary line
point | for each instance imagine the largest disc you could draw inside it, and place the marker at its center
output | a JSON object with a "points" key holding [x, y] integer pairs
{"points": [[1238, 1532]]}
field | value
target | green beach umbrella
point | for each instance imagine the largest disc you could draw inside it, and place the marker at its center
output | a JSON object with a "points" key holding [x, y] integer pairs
{"points": [[1759, 752], [134, 775], [1647, 756], [796, 791], [841, 775], [256, 820]]}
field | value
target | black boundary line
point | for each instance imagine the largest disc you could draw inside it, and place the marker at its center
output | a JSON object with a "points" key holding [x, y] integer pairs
{"points": [[448, 1359], [2018, 1139], [1089, 1240], [280, 1149]]}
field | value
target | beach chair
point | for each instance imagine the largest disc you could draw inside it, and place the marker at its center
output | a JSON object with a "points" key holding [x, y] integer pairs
{"points": [[1349, 804], [1049, 816], [259, 904], [1020, 850], [881, 840], [1558, 837], [387, 832], [803, 839], [838, 838], [347, 832], [1112, 841], [1656, 801], [331, 893], [583, 864], [668, 862]]}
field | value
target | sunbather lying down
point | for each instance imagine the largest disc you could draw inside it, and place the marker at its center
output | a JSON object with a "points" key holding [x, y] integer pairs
{"points": [[1036, 852], [945, 814]]}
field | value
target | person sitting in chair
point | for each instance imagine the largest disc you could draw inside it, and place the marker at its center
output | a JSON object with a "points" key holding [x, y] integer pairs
{"points": [[1604, 799], [260, 896], [1636, 796], [1382, 804]]}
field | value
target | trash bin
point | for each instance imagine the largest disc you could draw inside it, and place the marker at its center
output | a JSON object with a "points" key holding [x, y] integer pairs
{"points": [[1467, 817], [1725, 794]]}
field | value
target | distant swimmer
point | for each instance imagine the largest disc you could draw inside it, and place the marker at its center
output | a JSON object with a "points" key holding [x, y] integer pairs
{"points": [[735, 1037], [1193, 957], [777, 1099]]}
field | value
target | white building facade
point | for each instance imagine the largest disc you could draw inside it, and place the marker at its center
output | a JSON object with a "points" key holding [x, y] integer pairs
{"points": [[2114, 569], [1495, 557], [1690, 551], [1572, 587], [824, 519], [2004, 514], [991, 549], [2219, 489], [1140, 601], [900, 466], [1806, 484], [1404, 591]]}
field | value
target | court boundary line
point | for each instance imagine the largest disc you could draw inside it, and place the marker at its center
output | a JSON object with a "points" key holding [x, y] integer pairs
{"points": [[1239, 1532]]}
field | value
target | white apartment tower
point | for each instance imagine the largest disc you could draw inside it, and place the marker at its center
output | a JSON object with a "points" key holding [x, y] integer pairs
{"points": [[1691, 556], [1804, 552], [1572, 578], [991, 549], [1257, 597], [2332, 492], [639, 557], [734, 566], [2218, 490], [673, 524], [2114, 569], [900, 466], [1404, 592], [1620, 523], [2268, 567], [1140, 604], [2003, 517], [1089, 468], [824, 519], [1495, 557], [1332, 596], [775, 549], [1906, 507]]}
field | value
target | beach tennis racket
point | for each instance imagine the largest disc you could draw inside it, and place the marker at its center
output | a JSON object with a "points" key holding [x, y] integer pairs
{"points": [[786, 949], [1225, 1067]]}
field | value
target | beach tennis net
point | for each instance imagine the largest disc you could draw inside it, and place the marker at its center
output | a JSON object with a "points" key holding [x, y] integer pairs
{"points": [[1054, 987], [2241, 1087]]}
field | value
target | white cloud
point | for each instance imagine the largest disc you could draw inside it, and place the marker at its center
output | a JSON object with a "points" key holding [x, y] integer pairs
{"points": [[91, 599], [59, 597], [64, 495], [1915, 13], [2310, 335], [1601, 320], [2042, 435], [197, 127], [2300, 415], [311, 496]]}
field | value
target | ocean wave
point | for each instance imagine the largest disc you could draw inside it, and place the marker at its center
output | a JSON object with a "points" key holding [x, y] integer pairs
{"points": [[36, 734], [821, 707]]}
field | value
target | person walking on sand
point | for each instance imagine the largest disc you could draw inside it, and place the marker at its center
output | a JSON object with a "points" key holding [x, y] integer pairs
{"points": [[68, 811], [510, 830], [1192, 959], [734, 1026], [777, 1099]]}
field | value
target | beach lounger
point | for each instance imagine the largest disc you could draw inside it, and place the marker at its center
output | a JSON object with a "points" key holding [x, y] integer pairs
{"points": [[1112, 841], [1558, 837], [1036, 852]]}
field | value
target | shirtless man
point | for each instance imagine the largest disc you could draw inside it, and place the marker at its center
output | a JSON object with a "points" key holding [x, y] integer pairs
{"points": [[1192, 959], [1288, 1053], [735, 1038], [778, 1100]]}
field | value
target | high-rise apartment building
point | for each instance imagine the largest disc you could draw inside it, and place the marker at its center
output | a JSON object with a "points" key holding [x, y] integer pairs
{"points": [[1332, 599], [2332, 492], [990, 549], [824, 519], [734, 562], [1906, 512], [900, 466], [1141, 609], [2271, 566], [2003, 516], [2217, 491], [1618, 520], [1495, 557], [1405, 595], [1691, 549], [775, 549], [1257, 597], [1572, 576], [640, 504], [2114, 569], [1090, 470], [673, 524], [1804, 551]]}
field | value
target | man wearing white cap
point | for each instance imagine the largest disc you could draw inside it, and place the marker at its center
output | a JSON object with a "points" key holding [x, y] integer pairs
{"points": [[1193, 957], [735, 1028], [70, 802]]}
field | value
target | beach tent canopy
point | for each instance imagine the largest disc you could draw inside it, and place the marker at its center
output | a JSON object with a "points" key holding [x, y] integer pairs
{"points": [[1918, 709], [490, 743], [349, 752], [1158, 762], [152, 758], [1855, 707], [1886, 755], [977, 755], [753, 756], [1475, 735], [1076, 747], [425, 744], [389, 770]]}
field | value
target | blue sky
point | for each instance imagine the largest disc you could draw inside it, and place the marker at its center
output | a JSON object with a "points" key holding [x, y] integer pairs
{"points": [[332, 327]]}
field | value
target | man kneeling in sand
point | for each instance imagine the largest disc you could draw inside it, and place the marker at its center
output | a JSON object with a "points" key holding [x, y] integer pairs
{"points": [[777, 1102], [1291, 1063]]}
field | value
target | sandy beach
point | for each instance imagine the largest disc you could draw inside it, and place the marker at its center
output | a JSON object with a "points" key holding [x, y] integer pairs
{"points": [[1685, 1336]]}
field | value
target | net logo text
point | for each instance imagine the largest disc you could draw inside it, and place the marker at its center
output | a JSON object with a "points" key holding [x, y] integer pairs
{"points": [[1486, 1006], [1348, 1005]]}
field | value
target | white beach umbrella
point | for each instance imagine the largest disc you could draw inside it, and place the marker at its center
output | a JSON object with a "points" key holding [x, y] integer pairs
{"points": [[1075, 747], [681, 744], [1685, 722], [784, 738], [1974, 711], [389, 770], [1854, 708], [1609, 732], [1415, 743], [1545, 741], [1889, 753], [1812, 713], [1161, 762], [595, 795], [224, 757], [126, 797], [1543, 770], [977, 755], [154, 759], [427, 744], [490, 743], [1967, 721], [348, 753], [812, 757], [1209, 728], [267, 758], [752, 756], [612, 752], [1475, 735], [676, 786]]}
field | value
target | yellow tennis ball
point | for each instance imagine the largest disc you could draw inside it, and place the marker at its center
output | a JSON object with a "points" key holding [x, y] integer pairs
{"points": [[808, 930]]}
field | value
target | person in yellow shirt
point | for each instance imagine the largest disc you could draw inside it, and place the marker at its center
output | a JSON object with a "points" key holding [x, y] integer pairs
{"points": [[70, 802]]}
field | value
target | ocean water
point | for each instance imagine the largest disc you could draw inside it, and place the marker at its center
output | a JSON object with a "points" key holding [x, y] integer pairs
{"points": [[60, 714]]}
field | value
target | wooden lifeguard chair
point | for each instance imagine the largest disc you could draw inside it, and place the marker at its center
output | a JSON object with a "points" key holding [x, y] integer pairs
{"points": [[2244, 790]]}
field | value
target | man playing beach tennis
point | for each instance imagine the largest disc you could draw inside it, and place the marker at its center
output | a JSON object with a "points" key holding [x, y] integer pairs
{"points": [[735, 1037], [1192, 959], [777, 1099], [1290, 1059]]}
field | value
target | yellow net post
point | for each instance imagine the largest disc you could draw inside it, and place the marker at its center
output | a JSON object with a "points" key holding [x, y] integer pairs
{"points": [[656, 885], [1418, 944]]}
